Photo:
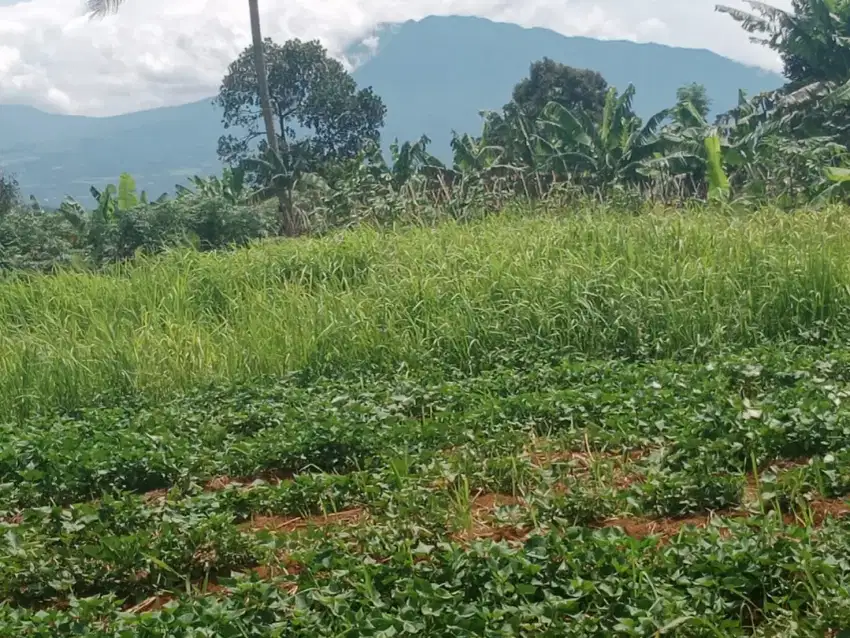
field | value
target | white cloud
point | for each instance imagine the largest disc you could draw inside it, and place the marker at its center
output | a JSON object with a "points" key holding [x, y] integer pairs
{"points": [[158, 52]]}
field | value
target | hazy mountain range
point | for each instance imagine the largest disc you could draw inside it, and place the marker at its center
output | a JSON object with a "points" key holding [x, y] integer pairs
{"points": [[434, 75]]}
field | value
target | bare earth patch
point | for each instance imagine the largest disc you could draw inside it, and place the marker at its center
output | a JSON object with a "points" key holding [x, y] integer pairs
{"points": [[482, 510], [219, 483], [666, 528], [290, 524]]}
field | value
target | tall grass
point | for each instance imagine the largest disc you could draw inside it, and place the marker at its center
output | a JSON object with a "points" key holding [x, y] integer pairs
{"points": [[663, 284]]}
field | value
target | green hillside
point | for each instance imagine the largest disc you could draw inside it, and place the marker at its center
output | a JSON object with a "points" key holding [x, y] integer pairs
{"points": [[434, 75]]}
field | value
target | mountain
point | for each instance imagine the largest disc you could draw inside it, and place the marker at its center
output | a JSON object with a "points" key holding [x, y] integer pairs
{"points": [[57, 155], [434, 75]]}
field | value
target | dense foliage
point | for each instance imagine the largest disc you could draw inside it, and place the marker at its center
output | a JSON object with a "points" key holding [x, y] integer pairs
{"points": [[216, 213]]}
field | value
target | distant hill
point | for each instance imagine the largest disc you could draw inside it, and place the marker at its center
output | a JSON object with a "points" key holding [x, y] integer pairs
{"points": [[434, 75]]}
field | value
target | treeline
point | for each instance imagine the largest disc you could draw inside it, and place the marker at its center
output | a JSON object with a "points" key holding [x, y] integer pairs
{"points": [[564, 136]]}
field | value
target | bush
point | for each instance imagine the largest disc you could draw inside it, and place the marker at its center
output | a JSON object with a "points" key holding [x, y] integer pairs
{"points": [[10, 193], [34, 240], [208, 223]]}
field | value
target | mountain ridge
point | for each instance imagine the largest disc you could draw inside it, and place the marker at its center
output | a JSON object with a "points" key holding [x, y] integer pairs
{"points": [[435, 75]]}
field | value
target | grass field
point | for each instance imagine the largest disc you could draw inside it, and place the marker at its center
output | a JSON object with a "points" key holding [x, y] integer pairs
{"points": [[663, 285], [580, 425]]}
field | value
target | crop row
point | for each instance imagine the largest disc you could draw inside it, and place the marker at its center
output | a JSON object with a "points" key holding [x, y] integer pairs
{"points": [[758, 577], [137, 545], [727, 415]]}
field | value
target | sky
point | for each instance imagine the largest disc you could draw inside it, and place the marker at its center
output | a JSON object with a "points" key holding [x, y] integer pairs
{"points": [[163, 52]]}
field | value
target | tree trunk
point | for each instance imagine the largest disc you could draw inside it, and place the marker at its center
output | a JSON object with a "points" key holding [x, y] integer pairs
{"points": [[288, 223], [262, 79]]}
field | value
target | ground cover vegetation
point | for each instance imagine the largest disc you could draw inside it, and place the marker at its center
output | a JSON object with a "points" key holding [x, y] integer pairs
{"points": [[537, 424], [605, 395]]}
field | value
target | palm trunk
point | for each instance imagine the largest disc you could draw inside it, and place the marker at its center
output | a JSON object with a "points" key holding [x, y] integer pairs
{"points": [[288, 222], [262, 79]]}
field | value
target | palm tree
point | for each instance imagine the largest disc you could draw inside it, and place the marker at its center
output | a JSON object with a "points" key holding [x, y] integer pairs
{"points": [[100, 8], [262, 78]]}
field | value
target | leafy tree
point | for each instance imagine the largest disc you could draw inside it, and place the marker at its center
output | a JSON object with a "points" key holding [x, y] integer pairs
{"points": [[694, 94], [10, 193], [320, 115], [550, 81], [317, 107]]}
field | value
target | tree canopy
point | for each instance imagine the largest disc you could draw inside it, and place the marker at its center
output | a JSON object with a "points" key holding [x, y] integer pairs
{"points": [[9, 192], [696, 95], [320, 113], [550, 81]]}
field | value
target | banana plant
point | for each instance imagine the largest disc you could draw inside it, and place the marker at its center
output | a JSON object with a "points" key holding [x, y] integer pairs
{"points": [[612, 151], [117, 199], [410, 159], [91, 226], [230, 187], [474, 155], [126, 197], [407, 160], [512, 134], [685, 144], [839, 178], [718, 182], [813, 40], [280, 174], [106, 202], [769, 153]]}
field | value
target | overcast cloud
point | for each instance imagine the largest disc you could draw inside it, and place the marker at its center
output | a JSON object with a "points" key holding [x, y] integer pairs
{"points": [[159, 52]]}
